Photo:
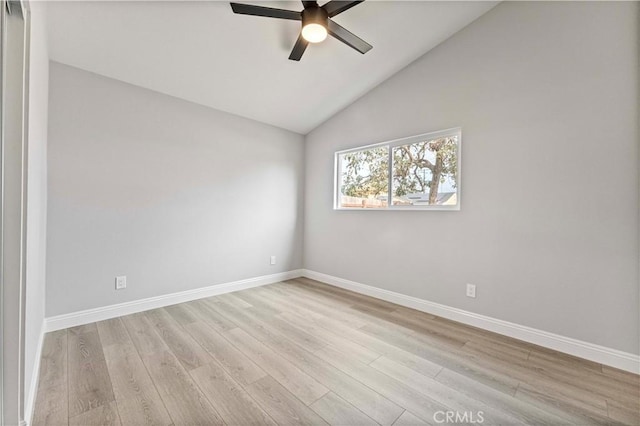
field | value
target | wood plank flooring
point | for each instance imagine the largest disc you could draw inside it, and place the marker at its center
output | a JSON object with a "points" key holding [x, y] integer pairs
{"points": [[305, 353]]}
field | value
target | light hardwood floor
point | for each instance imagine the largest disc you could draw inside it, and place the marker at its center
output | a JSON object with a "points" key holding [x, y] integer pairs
{"points": [[301, 352]]}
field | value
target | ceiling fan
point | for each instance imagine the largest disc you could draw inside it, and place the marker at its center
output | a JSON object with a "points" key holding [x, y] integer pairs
{"points": [[316, 23]]}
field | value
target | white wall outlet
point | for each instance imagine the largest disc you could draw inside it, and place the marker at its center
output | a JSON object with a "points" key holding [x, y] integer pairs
{"points": [[273, 260], [121, 282], [471, 290]]}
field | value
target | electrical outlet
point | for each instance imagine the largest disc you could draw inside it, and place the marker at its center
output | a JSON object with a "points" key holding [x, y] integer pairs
{"points": [[121, 282], [273, 260], [471, 290]]}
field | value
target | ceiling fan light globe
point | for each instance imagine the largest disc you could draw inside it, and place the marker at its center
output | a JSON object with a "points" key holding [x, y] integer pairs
{"points": [[314, 33]]}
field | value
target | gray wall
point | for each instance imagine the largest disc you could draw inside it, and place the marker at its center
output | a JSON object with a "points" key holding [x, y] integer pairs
{"points": [[173, 195], [547, 98], [36, 196]]}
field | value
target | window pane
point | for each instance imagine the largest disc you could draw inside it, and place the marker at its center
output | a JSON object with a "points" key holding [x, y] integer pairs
{"points": [[364, 178], [426, 173]]}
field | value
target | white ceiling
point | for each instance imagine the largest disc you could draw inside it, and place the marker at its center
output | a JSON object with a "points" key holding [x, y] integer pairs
{"points": [[202, 52]]}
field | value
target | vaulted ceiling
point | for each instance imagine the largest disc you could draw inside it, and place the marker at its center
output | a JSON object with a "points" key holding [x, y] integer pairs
{"points": [[202, 52]]}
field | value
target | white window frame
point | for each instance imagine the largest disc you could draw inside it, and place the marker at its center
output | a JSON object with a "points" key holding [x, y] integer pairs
{"points": [[456, 131]]}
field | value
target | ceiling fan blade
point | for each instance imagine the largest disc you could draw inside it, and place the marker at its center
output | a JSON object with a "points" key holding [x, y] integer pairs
{"points": [[269, 12], [348, 38], [306, 3], [299, 48], [335, 7]]}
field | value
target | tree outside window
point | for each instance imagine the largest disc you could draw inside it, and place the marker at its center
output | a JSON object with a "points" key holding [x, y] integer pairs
{"points": [[423, 173]]}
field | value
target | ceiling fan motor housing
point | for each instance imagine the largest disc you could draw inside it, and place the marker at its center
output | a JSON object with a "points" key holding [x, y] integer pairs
{"points": [[315, 15]]}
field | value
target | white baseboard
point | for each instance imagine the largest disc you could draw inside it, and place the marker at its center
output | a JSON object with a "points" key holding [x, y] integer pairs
{"points": [[607, 356], [33, 389], [88, 316], [603, 355]]}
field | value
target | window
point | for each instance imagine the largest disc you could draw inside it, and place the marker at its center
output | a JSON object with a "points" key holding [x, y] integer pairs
{"points": [[419, 172]]}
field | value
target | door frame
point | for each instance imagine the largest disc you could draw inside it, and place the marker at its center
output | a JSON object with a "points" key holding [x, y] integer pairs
{"points": [[14, 71]]}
